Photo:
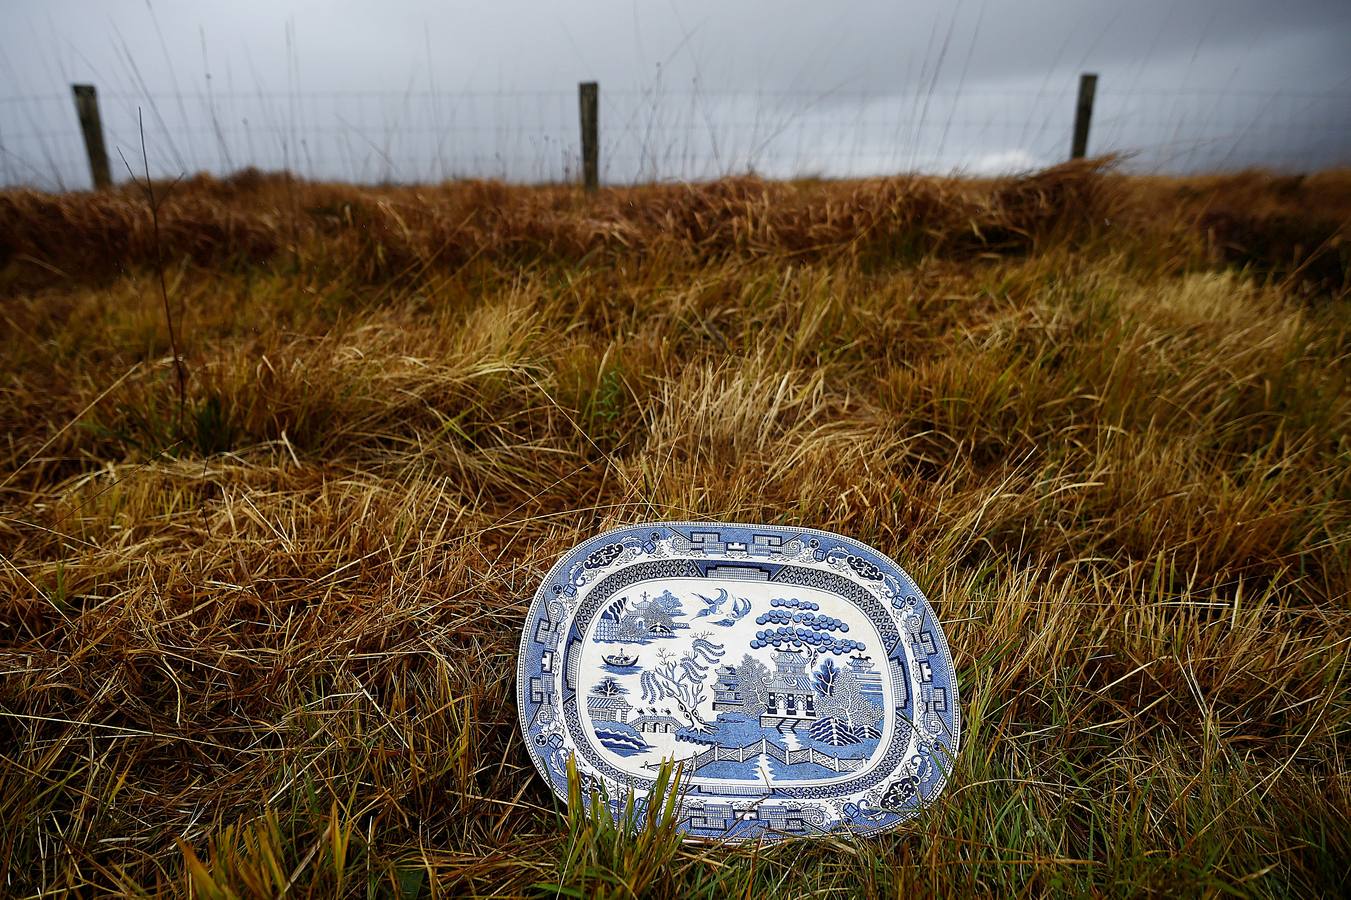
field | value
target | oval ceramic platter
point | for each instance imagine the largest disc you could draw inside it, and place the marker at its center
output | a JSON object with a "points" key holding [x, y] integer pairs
{"points": [[798, 678]]}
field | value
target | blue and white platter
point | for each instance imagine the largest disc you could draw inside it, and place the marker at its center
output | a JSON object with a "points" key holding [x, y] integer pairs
{"points": [[798, 678]]}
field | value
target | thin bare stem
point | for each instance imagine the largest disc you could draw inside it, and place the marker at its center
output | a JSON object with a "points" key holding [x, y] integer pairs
{"points": [[180, 371]]}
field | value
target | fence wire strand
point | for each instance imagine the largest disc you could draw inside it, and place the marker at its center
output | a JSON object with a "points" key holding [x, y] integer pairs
{"points": [[660, 135]]}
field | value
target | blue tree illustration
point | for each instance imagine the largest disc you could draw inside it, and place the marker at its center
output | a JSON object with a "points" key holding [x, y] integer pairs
{"points": [[609, 687], [826, 677], [682, 679], [804, 629]]}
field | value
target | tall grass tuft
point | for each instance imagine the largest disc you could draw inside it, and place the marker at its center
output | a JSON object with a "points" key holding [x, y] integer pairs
{"points": [[618, 848]]}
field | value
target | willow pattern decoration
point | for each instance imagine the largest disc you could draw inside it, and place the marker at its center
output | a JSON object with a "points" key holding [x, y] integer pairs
{"points": [[683, 680], [799, 678]]}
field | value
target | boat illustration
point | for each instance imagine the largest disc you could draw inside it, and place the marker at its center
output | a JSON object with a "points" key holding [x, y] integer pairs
{"points": [[620, 660]]}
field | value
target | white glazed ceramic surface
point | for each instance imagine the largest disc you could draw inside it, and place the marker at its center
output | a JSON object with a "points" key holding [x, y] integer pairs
{"points": [[798, 677]]}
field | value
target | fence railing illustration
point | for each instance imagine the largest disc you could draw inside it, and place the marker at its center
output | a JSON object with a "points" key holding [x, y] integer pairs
{"points": [[789, 757]]}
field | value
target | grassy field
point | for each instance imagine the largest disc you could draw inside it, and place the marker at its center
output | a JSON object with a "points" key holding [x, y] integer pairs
{"points": [[258, 625]]}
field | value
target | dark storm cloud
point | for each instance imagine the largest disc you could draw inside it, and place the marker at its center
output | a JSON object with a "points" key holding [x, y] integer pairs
{"points": [[689, 88]]}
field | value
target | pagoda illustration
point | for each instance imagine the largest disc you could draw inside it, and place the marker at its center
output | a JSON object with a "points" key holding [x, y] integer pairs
{"points": [[869, 679], [727, 689], [623, 622], [608, 709], [606, 702], [791, 703]]}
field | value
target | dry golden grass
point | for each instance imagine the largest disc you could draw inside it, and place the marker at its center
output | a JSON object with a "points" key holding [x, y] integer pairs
{"points": [[262, 641]]}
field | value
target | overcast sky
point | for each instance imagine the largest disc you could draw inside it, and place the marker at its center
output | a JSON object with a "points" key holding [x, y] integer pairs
{"points": [[422, 90]]}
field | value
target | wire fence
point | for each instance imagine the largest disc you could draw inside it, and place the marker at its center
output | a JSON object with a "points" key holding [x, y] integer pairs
{"points": [[659, 135]]}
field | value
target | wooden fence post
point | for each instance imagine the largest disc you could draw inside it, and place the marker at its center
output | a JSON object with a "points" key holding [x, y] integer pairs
{"points": [[1083, 115], [588, 98], [87, 108]]}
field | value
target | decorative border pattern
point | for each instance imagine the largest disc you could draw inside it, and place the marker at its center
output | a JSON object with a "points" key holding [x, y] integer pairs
{"points": [[906, 775]]}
